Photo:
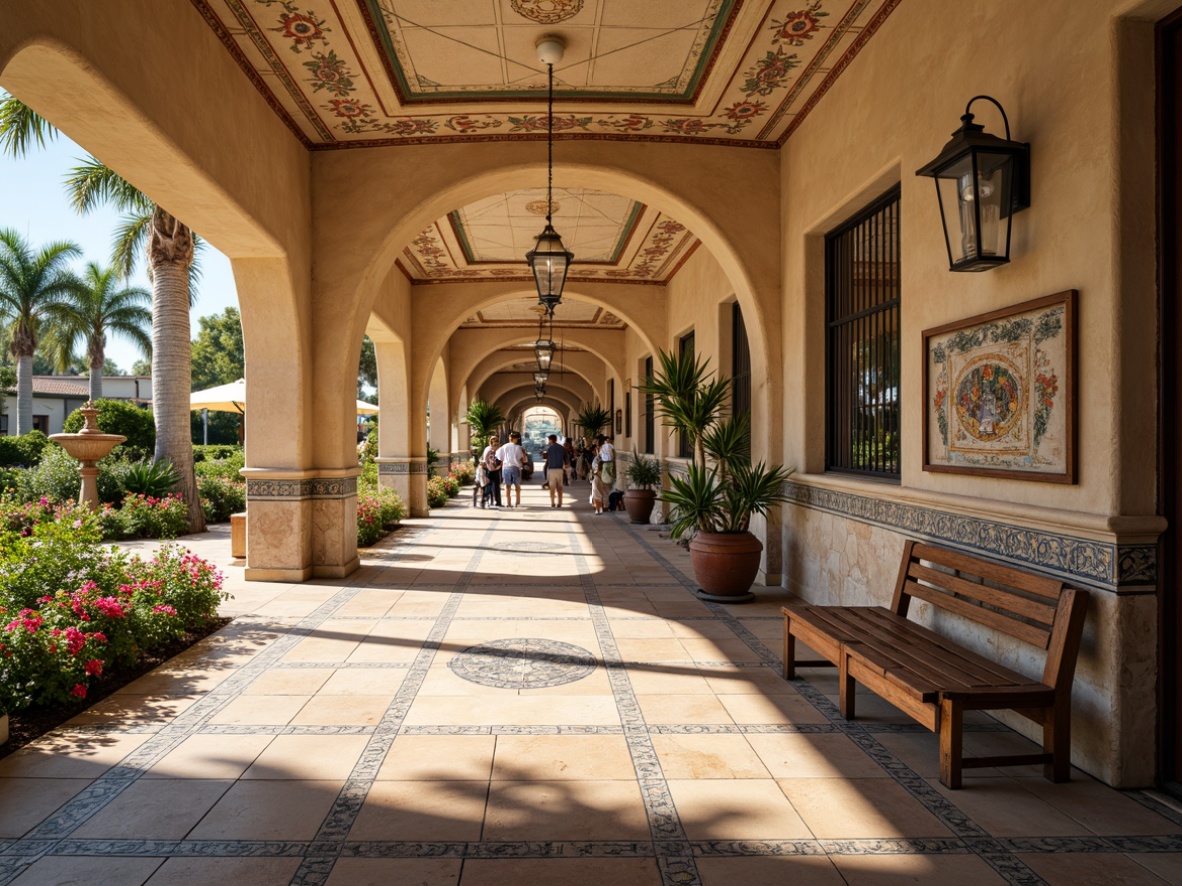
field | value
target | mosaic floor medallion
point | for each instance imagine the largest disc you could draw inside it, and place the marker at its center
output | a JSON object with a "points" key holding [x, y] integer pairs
{"points": [[525, 663], [532, 547]]}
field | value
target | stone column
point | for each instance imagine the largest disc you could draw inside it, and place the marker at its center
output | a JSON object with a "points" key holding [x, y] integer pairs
{"points": [[407, 475]]}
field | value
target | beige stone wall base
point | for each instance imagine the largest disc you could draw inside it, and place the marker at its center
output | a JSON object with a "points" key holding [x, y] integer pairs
{"points": [[416, 499], [280, 575], [337, 571]]}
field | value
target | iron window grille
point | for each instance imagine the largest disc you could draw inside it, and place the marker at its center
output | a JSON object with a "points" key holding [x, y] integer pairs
{"points": [[649, 400], [862, 292], [740, 366], [686, 348]]}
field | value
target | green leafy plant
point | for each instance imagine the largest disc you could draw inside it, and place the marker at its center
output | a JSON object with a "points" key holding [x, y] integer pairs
{"points": [[592, 418], [643, 473], [151, 479], [378, 512], [432, 461], [721, 489], [437, 495], [483, 420], [221, 497], [25, 450], [144, 516]]}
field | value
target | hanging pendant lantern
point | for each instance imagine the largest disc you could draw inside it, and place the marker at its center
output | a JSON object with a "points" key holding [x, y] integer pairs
{"points": [[544, 346], [549, 259]]}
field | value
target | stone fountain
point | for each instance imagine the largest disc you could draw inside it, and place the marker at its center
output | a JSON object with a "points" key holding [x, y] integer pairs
{"points": [[88, 446]]}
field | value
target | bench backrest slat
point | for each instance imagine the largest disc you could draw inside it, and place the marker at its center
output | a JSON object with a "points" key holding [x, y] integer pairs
{"points": [[1005, 598], [1010, 603], [988, 617]]}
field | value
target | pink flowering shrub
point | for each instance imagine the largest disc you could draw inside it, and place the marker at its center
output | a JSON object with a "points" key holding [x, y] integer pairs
{"points": [[103, 614], [144, 516], [378, 512]]}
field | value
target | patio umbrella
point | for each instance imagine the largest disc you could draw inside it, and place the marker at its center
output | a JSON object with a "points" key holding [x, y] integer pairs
{"points": [[232, 398]]}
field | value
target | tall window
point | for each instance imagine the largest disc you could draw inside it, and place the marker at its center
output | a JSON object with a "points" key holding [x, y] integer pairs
{"points": [[628, 414], [686, 347], [862, 310], [649, 442], [740, 365]]}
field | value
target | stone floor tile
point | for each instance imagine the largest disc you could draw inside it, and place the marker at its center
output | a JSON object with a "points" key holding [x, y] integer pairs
{"points": [[289, 681], [680, 709], [268, 810], [798, 870], [387, 871], [708, 756], [267, 710], [814, 756], [652, 650], [87, 871], [1166, 865], [740, 809], [515, 710], [204, 871], [155, 809], [308, 757], [25, 802], [515, 871], [69, 755], [893, 870], [565, 810], [1092, 869], [1098, 807], [771, 710], [134, 710], [439, 758], [422, 810], [1005, 809], [561, 758], [364, 681], [853, 808], [747, 681], [210, 756], [659, 679], [719, 649], [342, 710]]}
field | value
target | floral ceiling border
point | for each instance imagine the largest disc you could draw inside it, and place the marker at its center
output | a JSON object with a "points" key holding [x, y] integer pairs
{"points": [[303, 60]]}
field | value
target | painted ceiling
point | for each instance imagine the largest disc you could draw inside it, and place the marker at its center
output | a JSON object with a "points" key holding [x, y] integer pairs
{"points": [[613, 238], [347, 73], [524, 312]]}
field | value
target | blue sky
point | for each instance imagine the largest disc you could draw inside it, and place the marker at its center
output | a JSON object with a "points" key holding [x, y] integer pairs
{"points": [[33, 201]]}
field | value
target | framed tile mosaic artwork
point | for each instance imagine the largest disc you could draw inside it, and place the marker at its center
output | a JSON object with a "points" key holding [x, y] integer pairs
{"points": [[999, 392]]}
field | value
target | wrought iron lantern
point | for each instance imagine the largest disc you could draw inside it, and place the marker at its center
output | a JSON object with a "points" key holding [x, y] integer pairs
{"points": [[540, 378], [539, 391], [544, 347], [981, 181], [549, 259]]}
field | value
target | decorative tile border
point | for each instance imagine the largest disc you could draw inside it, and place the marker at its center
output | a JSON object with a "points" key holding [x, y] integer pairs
{"points": [[411, 466], [1105, 566], [298, 490]]}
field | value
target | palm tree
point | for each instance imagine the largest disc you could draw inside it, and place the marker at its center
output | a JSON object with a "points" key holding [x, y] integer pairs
{"points": [[99, 307], [170, 249], [32, 284]]}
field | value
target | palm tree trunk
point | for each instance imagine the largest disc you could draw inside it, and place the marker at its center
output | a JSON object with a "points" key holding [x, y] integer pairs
{"points": [[170, 252], [24, 393], [96, 380]]}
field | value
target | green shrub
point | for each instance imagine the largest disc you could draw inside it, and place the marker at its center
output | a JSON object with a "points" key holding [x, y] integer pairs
{"points": [[436, 493], [367, 451], [217, 452], [224, 461], [25, 450], [465, 474], [367, 480], [10, 478], [143, 516], [120, 417], [377, 513], [451, 486], [55, 478], [151, 479], [221, 498]]}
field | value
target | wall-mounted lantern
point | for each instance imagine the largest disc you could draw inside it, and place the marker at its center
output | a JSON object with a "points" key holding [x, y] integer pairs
{"points": [[981, 181]]}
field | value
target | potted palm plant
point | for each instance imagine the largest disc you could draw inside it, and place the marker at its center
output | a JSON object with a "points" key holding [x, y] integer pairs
{"points": [[483, 420], [721, 490], [592, 418], [640, 498]]}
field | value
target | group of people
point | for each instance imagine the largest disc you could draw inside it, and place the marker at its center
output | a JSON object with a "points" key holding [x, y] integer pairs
{"points": [[501, 465]]}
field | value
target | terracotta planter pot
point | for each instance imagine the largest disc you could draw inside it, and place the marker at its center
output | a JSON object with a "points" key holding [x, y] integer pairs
{"points": [[639, 504], [725, 564]]}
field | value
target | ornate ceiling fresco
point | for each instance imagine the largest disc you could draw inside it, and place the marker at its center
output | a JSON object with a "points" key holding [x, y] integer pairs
{"points": [[613, 238], [524, 312], [348, 73]]}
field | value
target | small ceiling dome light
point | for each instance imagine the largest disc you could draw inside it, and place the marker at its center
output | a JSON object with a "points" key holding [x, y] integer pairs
{"points": [[981, 181], [549, 259]]}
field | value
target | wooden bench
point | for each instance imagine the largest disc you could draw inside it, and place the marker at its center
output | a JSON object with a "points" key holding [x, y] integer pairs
{"points": [[934, 679]]}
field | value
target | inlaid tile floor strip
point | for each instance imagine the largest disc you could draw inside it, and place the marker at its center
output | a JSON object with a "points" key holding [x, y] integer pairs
{"points": [[675, 856]]}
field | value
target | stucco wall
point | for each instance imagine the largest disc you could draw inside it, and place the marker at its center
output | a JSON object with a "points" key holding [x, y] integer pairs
{"points": [[1077, 84]]}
